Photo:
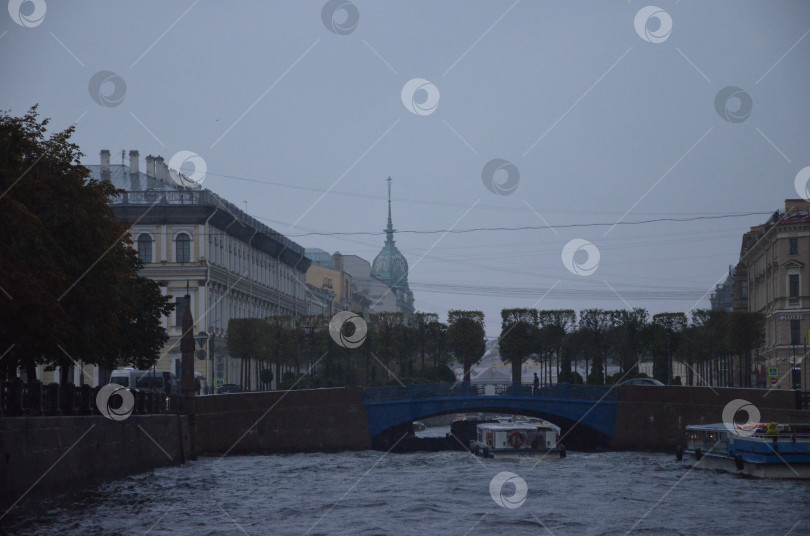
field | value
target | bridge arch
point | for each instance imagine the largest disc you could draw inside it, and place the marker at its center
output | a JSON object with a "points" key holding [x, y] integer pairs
{"points": [[589, 420]]}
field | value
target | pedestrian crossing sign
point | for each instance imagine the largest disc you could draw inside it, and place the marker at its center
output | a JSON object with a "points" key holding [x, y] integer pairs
{"points": [[773, 372], [219, 382]]}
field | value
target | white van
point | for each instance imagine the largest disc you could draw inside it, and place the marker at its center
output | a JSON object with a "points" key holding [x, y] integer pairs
{"points": [[145, 380]]}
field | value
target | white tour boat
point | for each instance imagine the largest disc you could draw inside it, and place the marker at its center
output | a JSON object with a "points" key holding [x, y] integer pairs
{"points": [[516, 439]]}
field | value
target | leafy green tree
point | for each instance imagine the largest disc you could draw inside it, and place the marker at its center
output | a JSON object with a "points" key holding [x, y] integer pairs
{"points": [[595, 323], [439, 350], [519, 338], [627, 336], [420, 326], [746, 331], [665, 334], [555, 326], [466, 337], [709, 339], [69, 276], [386, 342], [249, 340], [279, 333]]}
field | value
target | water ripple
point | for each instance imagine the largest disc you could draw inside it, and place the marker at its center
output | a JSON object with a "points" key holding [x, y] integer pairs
{"points": [[591, 494]]}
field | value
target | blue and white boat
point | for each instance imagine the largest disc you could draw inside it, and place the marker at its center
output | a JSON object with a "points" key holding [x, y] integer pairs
{"points": [[758, 450], [510, 438]]}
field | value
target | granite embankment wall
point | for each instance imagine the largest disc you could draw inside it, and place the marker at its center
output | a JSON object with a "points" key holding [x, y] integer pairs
{"points": [[45, 455], [655, 418], [282, 421]]}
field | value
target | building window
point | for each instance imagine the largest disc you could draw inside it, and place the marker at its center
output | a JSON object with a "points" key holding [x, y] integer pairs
{"points": [[795, 330], [180, 306], [145, 248], [794, 246], [793, 285], [183, 248]]}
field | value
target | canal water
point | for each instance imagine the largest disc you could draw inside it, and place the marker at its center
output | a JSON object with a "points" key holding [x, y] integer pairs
{"points": [[441, 493]]}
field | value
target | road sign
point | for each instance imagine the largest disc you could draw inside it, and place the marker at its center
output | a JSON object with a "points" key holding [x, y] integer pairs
{"points": [[722, 365], [773, 381], [773, 372], [219, 382]]}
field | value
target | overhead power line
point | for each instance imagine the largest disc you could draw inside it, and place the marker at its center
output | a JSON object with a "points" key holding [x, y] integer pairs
{"points": [[589, 294], [436, 202], [533, 227]]}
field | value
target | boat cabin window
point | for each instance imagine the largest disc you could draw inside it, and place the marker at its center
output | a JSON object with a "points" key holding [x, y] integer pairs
{"points": [[707, 440]]}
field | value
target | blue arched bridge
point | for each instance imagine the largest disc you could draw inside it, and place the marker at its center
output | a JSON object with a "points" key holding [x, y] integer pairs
{"points": [[592, 407]]}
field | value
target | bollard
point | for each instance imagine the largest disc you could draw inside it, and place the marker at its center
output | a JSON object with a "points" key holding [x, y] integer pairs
{"points": [[140, 401], [50, 399], [85, 400], [11, 398], [67, 399], [34, 403]]}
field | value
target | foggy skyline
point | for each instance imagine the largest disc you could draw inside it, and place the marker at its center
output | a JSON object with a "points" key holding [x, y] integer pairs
{"points": [[598, 118]]}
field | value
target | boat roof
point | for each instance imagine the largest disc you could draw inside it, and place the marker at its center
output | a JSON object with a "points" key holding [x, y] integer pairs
{"points": [[505, 427], [721, 427]]}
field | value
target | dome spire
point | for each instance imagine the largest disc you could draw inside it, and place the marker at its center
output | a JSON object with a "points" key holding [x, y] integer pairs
{"points": [[389, 230]]}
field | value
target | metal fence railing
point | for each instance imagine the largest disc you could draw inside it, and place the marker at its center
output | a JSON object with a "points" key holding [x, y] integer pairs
{"points": [[445, 390], [802, 399], [34, 399]]}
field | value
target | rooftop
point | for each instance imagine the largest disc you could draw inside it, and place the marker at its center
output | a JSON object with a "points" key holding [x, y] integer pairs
{"points": [[158, 188]]}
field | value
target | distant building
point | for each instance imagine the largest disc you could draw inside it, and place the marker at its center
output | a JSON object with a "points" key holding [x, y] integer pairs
{"points": [[336, 281], [319, 257], [773, 277], [320, 302], [391, 267], [194, 242], [382, 299], [722, 298]]}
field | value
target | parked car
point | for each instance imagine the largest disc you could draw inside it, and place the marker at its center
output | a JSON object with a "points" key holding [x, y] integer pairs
{"points": [[641, 381], [229, 388], [145, 380]]}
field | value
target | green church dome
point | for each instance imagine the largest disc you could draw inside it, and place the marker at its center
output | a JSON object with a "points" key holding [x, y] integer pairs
{"points": [[390, 265]]}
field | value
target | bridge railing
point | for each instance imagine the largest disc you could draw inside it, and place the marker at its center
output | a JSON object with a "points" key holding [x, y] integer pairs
{"points": [[447, 390]]}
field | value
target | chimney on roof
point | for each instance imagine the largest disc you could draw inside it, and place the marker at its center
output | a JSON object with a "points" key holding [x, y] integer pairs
{"points": [[150, 166], [105, 160], [337, 261], [134, 164], [795, 205], [161, 169]]}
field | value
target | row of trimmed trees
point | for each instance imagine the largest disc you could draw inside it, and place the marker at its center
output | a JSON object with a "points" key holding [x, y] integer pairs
{"points": [[393, 350], [715, 346]]}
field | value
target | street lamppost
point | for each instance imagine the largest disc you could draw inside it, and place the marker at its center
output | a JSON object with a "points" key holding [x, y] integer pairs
{"points": [[308, 333], [668, 325]]}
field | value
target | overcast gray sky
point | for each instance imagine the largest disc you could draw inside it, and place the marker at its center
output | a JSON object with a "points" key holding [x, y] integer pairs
{"points": [[606, 110]]}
